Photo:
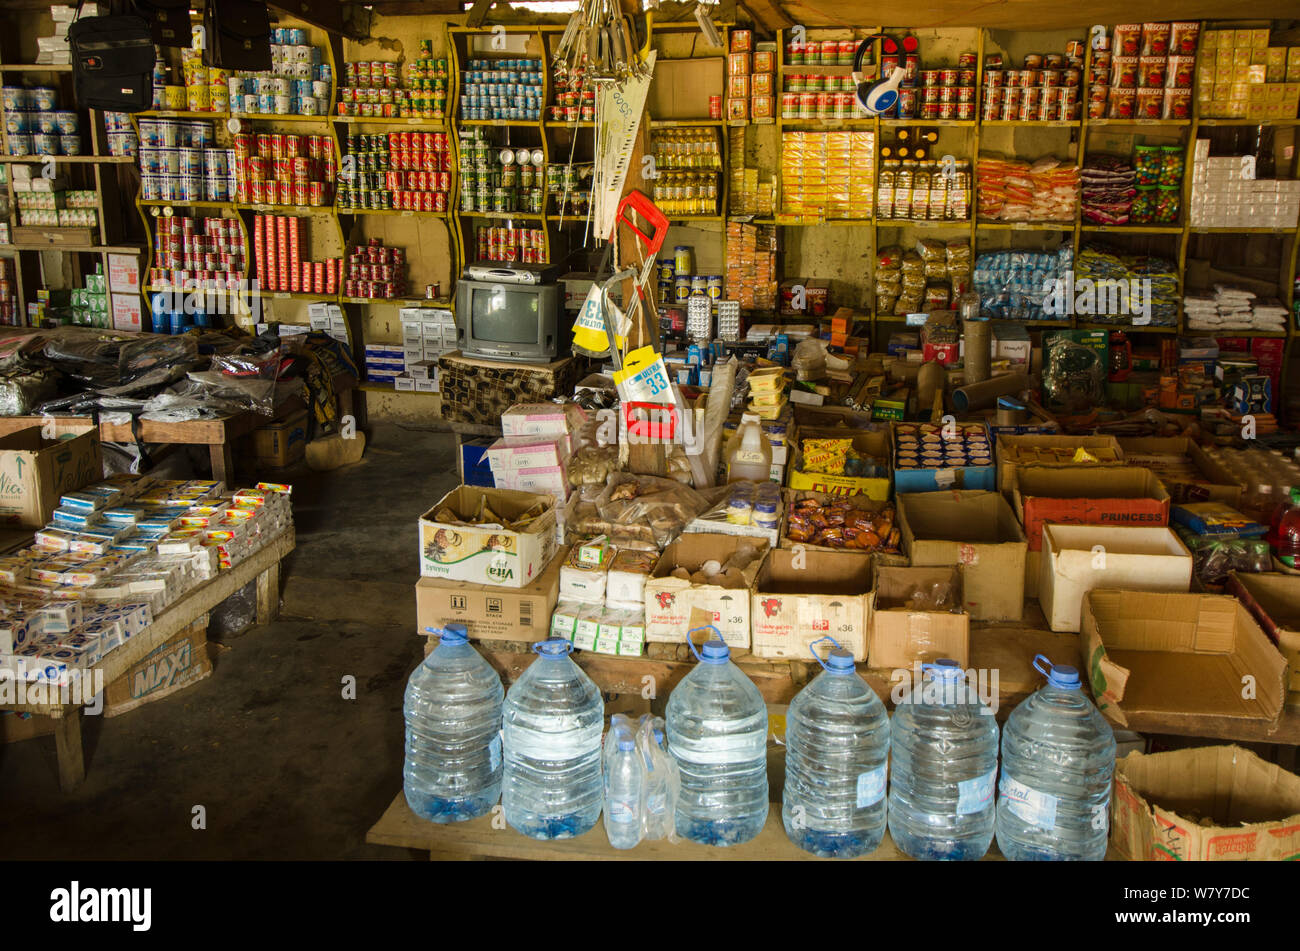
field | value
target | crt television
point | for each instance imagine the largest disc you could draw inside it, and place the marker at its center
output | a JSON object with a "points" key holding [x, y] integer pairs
{"points": [[523, 323]]}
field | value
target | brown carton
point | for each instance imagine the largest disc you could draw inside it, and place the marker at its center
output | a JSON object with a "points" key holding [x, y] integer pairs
{"points": [[901, 635], [1171, 659], [1101, 496], [41, 462], [1185, 469], [1058, 452], [675, 605], [491, 612], [487, 553], [1274, 600], [800, 597], [1213, 804], [976, 531]]}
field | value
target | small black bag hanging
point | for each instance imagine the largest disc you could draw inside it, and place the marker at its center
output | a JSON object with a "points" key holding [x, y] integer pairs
{"points": [[238, 35], [112, 63], [168, 19]]}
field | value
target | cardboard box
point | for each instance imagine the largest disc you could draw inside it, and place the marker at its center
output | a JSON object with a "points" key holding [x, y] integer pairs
{"points": [[40, 462], [875, 444], [169, 667], [1212, 484], [902, 636], [488, 611], [1179, 657], [1053, 452], [922, 478], [1077, 558], [977, 532], [1274, 600], [800, 597], [792, 496], [1212, 804], [281, 443], [673, 606], [487, 555], [1107, 495]]}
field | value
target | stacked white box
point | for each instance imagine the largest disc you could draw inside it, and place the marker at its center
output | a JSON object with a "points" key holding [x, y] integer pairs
{"points": [[1226, 195]]}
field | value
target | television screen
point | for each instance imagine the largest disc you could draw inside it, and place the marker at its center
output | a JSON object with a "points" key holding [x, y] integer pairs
{"points": [[504, 316]]}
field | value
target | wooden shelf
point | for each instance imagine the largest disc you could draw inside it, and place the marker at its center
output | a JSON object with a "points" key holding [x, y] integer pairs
{"points": [[1133, 229], [68, 159], [435, 125], [278, 117], [80, 248], [1024, 226], [1130, 328], [151, 203], [1034, 123], [180, 114], [564, 124], [36, 68], [941, 123], [685, 123], [285, 209], [963, 224], [392, 212], [1195, 230], [1143, 123], [1230, 122], [504, 215]]}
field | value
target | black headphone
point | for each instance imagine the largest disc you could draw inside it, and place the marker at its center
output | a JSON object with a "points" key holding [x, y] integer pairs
{"points": [[884, 88]]}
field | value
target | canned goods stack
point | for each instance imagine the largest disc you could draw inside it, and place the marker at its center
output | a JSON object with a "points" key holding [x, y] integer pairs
{"points": [[688, 165], [202, 88], [751, 79], [808, 52], [678, 285], [34, 124], [828, 174], [8, 299], [509, 89], [376, 89], [1046, 89], [575, 98], [62, 208], [372, 270], [817, 96], [1144, 71], [275, 168], [179, 161], [396, 170], [278, 243], [198, 253], [121, 136], [944, 93], [525, 245], [299, 82], [500, 180], [914, 190], [570, 186], [751, 267]]}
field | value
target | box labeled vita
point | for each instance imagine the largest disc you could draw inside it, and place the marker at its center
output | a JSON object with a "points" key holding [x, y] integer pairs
{"points": [[41, 462], [800, 597], [509, 551]]}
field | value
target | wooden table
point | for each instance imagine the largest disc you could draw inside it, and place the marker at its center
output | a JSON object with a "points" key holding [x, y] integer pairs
{"points": [[491, 837], [263, 565], [218, 434]]}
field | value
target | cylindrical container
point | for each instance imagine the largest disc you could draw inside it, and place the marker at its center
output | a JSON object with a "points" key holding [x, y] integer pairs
{"points": [[943, 765], [717, 732], [1058, 757], [977, 396], [837, 748], [978, 343], [552, 722]]}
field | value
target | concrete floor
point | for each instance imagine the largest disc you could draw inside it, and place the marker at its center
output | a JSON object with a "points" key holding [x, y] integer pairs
{"points": [[284, 766]]}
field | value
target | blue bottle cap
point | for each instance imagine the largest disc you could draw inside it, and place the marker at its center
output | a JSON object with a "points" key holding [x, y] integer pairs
{"points": [[945, 669], [553, 647], [839, 661], [1064, 677], [714, 652], [625, 744], [451, 634]]}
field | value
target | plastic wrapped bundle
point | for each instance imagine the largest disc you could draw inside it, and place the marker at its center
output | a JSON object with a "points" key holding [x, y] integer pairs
{"points": [[1128, 276], [21, 391], [1013, 285], [1107, 190], [1013, 190]]}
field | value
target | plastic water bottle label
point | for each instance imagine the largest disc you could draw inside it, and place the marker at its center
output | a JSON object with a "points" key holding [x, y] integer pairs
{"points": [[656, 804], [494, 753], [1034, 807], [974, 795], [871, 787], [722, 750], [570, 744], [621, 810]]}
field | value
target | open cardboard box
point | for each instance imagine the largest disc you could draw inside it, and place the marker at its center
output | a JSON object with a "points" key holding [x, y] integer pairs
{"points": [[1212, 804], [875, 444], [1215, 483], [487, 555], [1052, 452], [1179, 657], [976, 531], [673, 606], [1274, 600], [902, 636], [792, 496], [800, 597], [1077, 558]]}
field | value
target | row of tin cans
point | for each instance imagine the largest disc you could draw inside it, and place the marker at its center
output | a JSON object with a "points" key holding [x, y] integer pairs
{"points": [[156, 186], [176, 133], [282, 145]]}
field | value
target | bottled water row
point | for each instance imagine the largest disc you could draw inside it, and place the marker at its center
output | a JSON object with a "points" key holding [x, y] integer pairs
{"points": [[929, 774]]}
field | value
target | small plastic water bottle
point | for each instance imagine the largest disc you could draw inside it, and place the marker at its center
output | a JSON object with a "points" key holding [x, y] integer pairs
{"points": [[551, 726], [717, 732], [624, 782], [661, 780], [1058, 757], [452, 770], [836, 751], [943, 768]]}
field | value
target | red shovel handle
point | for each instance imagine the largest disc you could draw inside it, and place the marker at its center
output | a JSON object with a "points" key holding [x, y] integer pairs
{"points": [[647, 209]]}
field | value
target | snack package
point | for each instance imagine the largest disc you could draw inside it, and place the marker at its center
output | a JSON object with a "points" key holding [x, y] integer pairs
{"points": [[826, 456]]}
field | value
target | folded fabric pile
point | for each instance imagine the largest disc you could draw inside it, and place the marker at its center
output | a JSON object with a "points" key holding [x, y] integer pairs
{"points": [[1108, 190], [1233, 308]]}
